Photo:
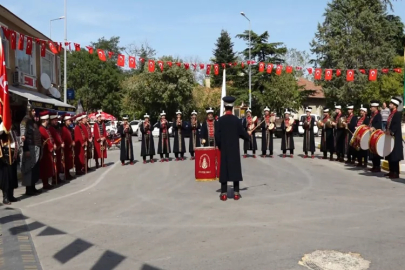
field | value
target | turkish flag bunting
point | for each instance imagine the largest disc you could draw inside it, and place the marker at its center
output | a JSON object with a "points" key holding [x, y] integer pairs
{"points": [[132, 62], [279, 69], [208, 69], [68, 44], [194, 66], [298, 68], [5, 111], [13, 39], [363, 71], [101, 55], [151, 65], [186, 65], [91, 50], [43, 48], [338, 73], [178, 64], [59, 47], [52, 46], [121, 60], [235, 64], [242, 65], [372, 75], [309, 71], [261, 67], [202, 66], [350, 75], [223, 65], [289, 69], [142, 59], [6, 32], [77, 47], [328, 74], [110, 54], [385, 70], [28, 50], [216, 69], [318, 74], [269, 68], [248, 62], [397, 70], [160, 64], [21, 42], [37, 41], [169, 64], [230, 64]]}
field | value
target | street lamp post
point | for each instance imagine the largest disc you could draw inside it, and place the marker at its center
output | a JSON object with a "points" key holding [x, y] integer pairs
{"points": [[65, 60], [250, 65], [50, 25]]}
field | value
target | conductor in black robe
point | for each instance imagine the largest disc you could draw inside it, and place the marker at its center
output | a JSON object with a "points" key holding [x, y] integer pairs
{"points": [[208, 129], [127, 151], [309, 136], [375, 124], [179, 146], [194, 141], [227, 134], [267, 134], [327, 139], [164, 140], [148, 146], [339, 135], [248, 125], [362, 155], [351, 121], [287, 138], [394, 129]]}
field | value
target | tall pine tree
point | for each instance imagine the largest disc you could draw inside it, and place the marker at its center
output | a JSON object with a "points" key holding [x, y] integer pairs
{"points": [[223, 54], [356, 34]]}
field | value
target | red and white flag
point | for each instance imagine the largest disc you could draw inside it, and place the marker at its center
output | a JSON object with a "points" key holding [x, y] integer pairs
{"points": [[216, 69], [160, 64], [21, 42], [397, 70], [121, 60], [178, 64], [194, 66], [43, 47], [132, 62], [77, 47], [142, 59], [186, 66], [261, 67], [28, 50], [91, 50], [362, 71], [151, 65], [269, 68], [385, 70], [6, 32], [52, 47], [328, 74], [279, 69], [372, 75], [5, 111], [170, 64], [318, 74], [13, 39], [101, 55], [202, 66], [309, 71], [350, 75], [338, 73], [242, 65], [289, 69], [110, 54], [208, 72]]}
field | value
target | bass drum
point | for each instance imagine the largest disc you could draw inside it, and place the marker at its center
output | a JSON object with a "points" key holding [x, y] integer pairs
{"points": [[381, 144]]}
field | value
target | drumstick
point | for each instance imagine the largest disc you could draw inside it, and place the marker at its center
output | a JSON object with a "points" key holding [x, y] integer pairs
{"points": [[258, 125]]}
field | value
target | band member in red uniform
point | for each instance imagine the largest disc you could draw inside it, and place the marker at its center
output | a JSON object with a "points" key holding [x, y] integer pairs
{"points": [[394, 129], [351, 122], [90, 141], [126, 150], [339, 135], [287, 139], [375, 123], [179, 146], [208, 129], [68, 146], [249, 125], [309, 136], [267, 133], [148, 146], [48, 147], [362, 155], [194, 135], [100, 147], [80, 137], [164, 140], [54, 129]]}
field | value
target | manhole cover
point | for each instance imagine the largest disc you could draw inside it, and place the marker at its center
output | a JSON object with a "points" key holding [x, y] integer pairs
{"points": [[334, 260]]}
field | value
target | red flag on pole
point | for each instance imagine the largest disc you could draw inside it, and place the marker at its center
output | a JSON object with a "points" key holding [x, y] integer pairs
{"points": [[372, 75], [350, 75], [151, 65], [5, 111], [208, 72], [261, 67], [328, 74], [318, 74], [121, 60], [132, 62]]}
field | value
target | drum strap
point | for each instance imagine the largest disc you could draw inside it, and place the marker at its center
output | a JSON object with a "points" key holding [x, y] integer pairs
{"points": [[371, 120], [360, 121]]}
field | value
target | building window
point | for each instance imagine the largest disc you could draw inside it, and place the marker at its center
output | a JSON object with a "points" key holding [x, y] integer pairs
{"points": [[25, 62], [48, 65], [4, 42]]}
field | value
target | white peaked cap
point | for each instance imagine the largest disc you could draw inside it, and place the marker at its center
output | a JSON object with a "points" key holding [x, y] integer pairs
{"points": [[350, 107], [53, 116], [162, 113], [266, 109], [287, 111], [146, 115], [338, 107], [194, 112], [308, 109], [325, 110], [178, 112], [210, 110], [362, 108], [98, 115], [44, 117], [248, 110]]}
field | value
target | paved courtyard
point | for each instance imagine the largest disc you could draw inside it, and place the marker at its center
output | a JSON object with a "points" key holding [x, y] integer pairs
{"points": [[156, 216]]}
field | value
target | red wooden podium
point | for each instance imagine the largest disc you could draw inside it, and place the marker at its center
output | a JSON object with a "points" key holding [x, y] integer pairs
{"points": [[207, 163]]}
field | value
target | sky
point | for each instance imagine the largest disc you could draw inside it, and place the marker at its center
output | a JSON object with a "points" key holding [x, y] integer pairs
{"points": [[186, 29]]}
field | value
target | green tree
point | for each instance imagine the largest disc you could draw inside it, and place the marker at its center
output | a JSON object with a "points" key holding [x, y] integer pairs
{"points": [[223, 54], [145, 51], [361, 39], [95, 82], [397, 33], [152, 92], [296, 58]]}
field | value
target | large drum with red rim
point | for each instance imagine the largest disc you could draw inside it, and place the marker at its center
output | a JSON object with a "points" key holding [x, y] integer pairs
{"points": [[361, 137], [381, 144], [205, 163]]}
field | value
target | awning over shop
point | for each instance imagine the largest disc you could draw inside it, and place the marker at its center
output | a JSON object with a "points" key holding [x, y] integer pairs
{"points": [[42, 101]]}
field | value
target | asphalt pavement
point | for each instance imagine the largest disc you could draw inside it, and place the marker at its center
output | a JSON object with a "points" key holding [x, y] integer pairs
{"points": [[156, 216]]}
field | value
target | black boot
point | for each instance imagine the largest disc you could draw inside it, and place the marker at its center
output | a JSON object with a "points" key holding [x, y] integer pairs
{"points": [[29, 191], [5, 199]]}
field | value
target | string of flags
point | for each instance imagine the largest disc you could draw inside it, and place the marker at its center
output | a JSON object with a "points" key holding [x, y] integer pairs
{"points": [[56, 48]]}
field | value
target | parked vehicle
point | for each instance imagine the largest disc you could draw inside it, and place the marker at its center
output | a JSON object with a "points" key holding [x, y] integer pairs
{"points": [[111, 126], [135, 126], [301, 127]]}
